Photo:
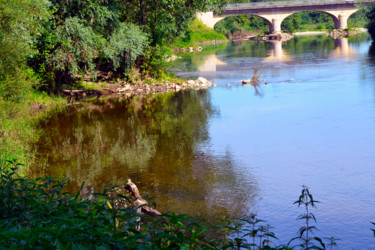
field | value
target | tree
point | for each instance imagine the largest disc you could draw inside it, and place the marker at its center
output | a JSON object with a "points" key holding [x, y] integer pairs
{"points": [[82, 35], [166, 19], [19, 23]]}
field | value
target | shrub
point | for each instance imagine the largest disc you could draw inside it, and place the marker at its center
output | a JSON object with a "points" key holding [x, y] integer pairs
{"points": [[37, 213]]}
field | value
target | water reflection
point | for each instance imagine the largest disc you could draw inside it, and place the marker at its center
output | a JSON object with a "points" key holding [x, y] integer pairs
{"points": [[222, 59], [157, 142], [276, 53], [211, 63], [342, 49]]}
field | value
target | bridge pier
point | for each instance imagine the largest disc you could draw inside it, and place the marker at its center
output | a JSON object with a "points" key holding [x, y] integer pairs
{"points": [[275, 26], [274, 21], [341, 22]]}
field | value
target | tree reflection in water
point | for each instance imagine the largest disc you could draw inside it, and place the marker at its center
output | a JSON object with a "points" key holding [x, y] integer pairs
{"points": [[161, 142]]}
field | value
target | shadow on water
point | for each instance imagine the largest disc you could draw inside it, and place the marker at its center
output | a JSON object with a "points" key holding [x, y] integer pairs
{"points": [[371, 53], [160, 142]]}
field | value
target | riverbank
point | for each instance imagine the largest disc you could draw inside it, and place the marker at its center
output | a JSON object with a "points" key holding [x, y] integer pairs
{"points": [[332, 33], [19, 121], [126, 89], [19, 131], [310, 33]]}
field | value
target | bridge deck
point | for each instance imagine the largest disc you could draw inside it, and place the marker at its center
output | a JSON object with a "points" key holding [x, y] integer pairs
{"points": [[296, 3]]}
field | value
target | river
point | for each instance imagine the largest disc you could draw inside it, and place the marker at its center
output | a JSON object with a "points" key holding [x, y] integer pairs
{"points": [[232, 150]]}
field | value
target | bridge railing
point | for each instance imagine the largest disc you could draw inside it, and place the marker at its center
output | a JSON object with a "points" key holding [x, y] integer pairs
{"points": [[289, 3]]}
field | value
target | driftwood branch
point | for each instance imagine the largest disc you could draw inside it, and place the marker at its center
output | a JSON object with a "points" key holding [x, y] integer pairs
{"points": [[140, 203]]}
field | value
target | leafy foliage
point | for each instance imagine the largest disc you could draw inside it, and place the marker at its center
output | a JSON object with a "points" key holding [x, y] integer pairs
{"points": [[304, 236], [78, 35], [19, 23], [197, 33], [125, 45], [234, 24], [251, 233], [307, 20], [76, 44], [165, 20], [37, 213]]}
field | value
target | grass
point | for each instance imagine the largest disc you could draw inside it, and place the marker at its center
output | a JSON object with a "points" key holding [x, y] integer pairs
{"points": [[18, 123], [198, 33]]}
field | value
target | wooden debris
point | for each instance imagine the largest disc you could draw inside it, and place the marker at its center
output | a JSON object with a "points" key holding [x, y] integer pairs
{"points": [[141, 205]]}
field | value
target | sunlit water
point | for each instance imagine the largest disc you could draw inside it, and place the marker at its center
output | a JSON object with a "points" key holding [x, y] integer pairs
{"points": [[232, 150]]}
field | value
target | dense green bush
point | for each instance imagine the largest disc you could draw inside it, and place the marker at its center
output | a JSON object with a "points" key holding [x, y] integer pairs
{"points": [[20, 22], [126, 40], [82, 35], [37, 213]]}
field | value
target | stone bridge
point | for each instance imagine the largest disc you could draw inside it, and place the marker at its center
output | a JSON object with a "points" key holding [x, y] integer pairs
{"points": [[275, 12]]}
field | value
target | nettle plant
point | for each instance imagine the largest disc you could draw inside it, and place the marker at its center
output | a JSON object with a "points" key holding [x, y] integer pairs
{"points": [[306, 231], [252, 233]]}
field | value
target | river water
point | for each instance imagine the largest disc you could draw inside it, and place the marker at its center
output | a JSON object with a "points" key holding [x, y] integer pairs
{"points": [[233, 150]]}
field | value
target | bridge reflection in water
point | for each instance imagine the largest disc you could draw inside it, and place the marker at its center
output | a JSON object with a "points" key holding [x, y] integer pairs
{"points": [[342, 48], [276, 53], [211, 63]]}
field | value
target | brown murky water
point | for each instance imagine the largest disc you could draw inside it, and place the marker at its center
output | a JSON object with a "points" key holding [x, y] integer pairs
{"points": [[156, 141]]}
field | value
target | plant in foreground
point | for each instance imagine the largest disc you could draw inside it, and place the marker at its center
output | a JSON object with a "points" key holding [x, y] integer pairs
{"points": [[251, 233], [37, 213], [307, 230]]}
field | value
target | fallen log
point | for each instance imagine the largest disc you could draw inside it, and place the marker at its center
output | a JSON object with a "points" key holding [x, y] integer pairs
{"points": [[141, 205]]}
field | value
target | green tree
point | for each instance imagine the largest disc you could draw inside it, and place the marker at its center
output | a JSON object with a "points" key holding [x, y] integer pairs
{"points": [[126, 40], [81, 36], [167, 19], [19, 23]]}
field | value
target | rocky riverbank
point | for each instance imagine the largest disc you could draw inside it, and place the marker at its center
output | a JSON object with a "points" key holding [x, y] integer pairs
{"points": [[345, 33], [273, 37], [129, 90]]}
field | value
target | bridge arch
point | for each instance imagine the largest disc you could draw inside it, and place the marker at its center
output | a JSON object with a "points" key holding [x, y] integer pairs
{"points": [[340, 18], [266, 21]]}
